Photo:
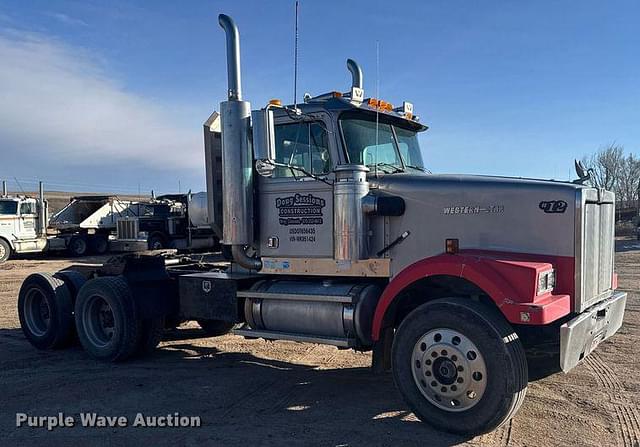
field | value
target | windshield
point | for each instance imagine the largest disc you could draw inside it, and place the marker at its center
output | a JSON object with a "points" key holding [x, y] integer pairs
{"points": [[382, 150], [9, 207], [409, 147]]}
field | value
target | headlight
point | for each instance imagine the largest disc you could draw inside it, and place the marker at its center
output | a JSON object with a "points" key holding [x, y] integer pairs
{"points": [[143, 235], [546, 282]]}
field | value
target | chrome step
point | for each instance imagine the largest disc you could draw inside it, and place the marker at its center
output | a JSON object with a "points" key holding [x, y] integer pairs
{"points": [[295, 297], [274, 335]]}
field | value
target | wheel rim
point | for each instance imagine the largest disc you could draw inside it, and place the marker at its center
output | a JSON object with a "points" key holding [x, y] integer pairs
{"points": [[156, 244], [101, 246], [99, 322], [79, 246], [3, 252], [449, 369], [37, 312]]}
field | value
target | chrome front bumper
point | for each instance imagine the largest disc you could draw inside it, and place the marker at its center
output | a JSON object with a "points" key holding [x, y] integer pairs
{"points": [[584, 333]]}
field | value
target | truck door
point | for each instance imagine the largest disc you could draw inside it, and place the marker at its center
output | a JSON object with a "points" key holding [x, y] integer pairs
{"points": [[295, 215], [28, 219]]}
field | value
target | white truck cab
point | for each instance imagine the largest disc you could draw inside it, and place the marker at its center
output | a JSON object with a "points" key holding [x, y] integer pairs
{"points": [[22, 224]]}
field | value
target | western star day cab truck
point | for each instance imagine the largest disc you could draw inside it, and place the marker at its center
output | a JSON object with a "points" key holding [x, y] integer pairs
{"points": [[337, 235]]}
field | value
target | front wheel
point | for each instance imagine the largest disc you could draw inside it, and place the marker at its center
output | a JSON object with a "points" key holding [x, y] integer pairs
{"points": [[5, 251], [459, 366]]}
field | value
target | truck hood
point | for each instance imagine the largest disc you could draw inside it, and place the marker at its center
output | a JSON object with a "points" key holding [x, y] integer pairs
{"points": [[417, 181]]}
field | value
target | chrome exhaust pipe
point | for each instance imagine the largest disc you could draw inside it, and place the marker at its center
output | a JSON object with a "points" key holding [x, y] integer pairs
{"points": [[237, 159], [42, 211], [5, 192], [234, 90], [356, 73]]}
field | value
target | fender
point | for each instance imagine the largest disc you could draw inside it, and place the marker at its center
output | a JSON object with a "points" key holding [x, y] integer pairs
{"points": [[509, 279]]}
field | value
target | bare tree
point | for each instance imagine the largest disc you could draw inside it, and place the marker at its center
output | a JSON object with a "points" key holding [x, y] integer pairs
{"points": [[611, 169], [606, 165], [629, 181]]}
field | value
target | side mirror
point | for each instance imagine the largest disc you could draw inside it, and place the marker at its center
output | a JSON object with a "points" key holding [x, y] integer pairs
{"points": [[264, 150]]}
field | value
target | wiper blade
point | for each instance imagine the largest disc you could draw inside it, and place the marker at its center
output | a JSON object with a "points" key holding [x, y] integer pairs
{"points": [[383, 164], [418, 168]]}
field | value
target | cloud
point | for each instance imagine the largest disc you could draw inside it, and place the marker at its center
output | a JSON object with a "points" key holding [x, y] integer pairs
{"points": [[67, 20], [58, 103]]}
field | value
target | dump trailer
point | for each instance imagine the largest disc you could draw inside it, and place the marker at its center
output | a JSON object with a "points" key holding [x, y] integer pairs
{"points": [[86, 223], [176, 221], [337, 234]]}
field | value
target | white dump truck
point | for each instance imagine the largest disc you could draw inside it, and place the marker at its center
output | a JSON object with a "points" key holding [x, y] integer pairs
{"points": [[337, 234]]}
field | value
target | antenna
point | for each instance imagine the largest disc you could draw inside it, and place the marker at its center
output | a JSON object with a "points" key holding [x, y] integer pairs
{"points": [[295, 62], [375, 161], [19, 185]]}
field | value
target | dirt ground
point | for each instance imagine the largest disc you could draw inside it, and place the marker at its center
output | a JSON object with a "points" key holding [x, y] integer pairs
{"points": [[274, 393]]}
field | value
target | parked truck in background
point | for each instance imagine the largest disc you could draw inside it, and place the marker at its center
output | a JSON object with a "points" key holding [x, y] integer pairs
{"points": [[87, 222], [176, 221], [338, 235], [23, 227], [83, 226]]}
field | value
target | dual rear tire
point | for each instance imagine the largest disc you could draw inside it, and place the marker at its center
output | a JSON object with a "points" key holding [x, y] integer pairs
{"points": [[45, 309], [108, 324], [54, 308]]}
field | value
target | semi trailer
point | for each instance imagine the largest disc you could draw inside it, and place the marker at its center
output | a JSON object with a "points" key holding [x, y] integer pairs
{"points": [[87, 222], [337, 234]]}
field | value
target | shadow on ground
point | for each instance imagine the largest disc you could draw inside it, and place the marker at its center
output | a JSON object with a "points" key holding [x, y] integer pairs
{"points": [[242, 399]]}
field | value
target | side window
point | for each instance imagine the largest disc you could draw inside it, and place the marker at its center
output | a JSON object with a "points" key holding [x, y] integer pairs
{"points": [[27, 208], [304, 145]]}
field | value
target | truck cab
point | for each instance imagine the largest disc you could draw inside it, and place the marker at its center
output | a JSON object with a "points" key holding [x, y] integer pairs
{"points": [[19, 224]]}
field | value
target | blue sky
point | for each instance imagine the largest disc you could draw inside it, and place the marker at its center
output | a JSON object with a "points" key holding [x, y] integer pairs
{"points": [[102, 96]]}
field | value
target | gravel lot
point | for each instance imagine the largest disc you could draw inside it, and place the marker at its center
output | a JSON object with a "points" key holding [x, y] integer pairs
{"points": [[274, 393]]}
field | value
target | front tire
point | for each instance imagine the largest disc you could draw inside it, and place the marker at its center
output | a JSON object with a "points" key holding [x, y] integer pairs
{"points": [[45, 310], [459, 366], [5, 251], [107, 319]]}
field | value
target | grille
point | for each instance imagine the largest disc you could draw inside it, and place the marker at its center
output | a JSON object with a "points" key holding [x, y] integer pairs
{"points": [[127, 229], [597, 252]]}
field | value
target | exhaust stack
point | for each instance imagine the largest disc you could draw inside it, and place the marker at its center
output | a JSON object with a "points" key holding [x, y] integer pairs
{"points": [[5, 192], [42, 211], [237, 160], [356, 74]]}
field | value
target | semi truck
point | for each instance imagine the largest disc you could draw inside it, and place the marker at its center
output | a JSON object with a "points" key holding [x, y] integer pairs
{"points": [[337, 234], [23, 227], [175, 221], [83, 226]]}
